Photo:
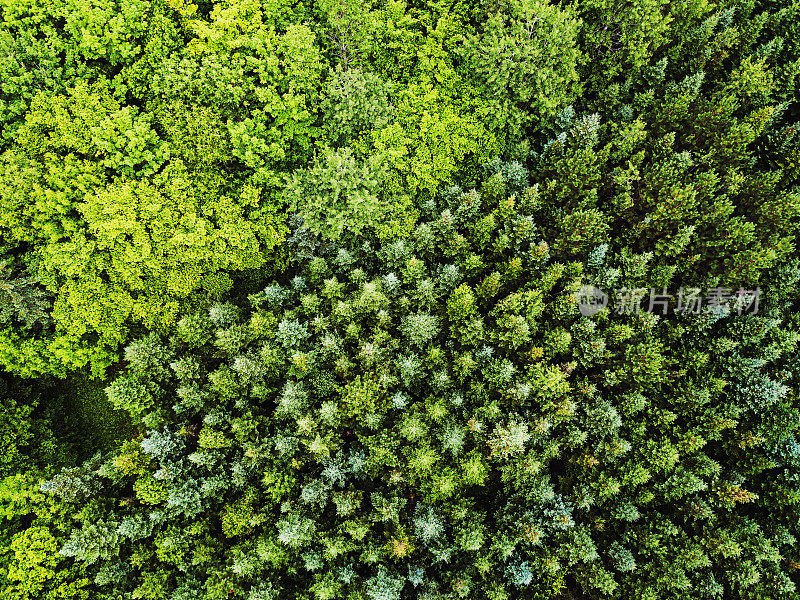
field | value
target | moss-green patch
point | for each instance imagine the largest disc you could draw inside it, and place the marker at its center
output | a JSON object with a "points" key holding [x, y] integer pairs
{"points": [[99, 426], [59, 422]]}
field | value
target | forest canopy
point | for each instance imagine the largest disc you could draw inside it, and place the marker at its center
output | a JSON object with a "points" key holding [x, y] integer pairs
{"points": [[399, 300]]}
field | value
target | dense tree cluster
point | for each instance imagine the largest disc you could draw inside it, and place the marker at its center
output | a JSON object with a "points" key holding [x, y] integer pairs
{"points": [[331, 261]]}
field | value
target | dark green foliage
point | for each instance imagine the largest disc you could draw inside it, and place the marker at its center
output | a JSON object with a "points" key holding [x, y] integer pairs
{"points": [[44, 427], [23, 303]]}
